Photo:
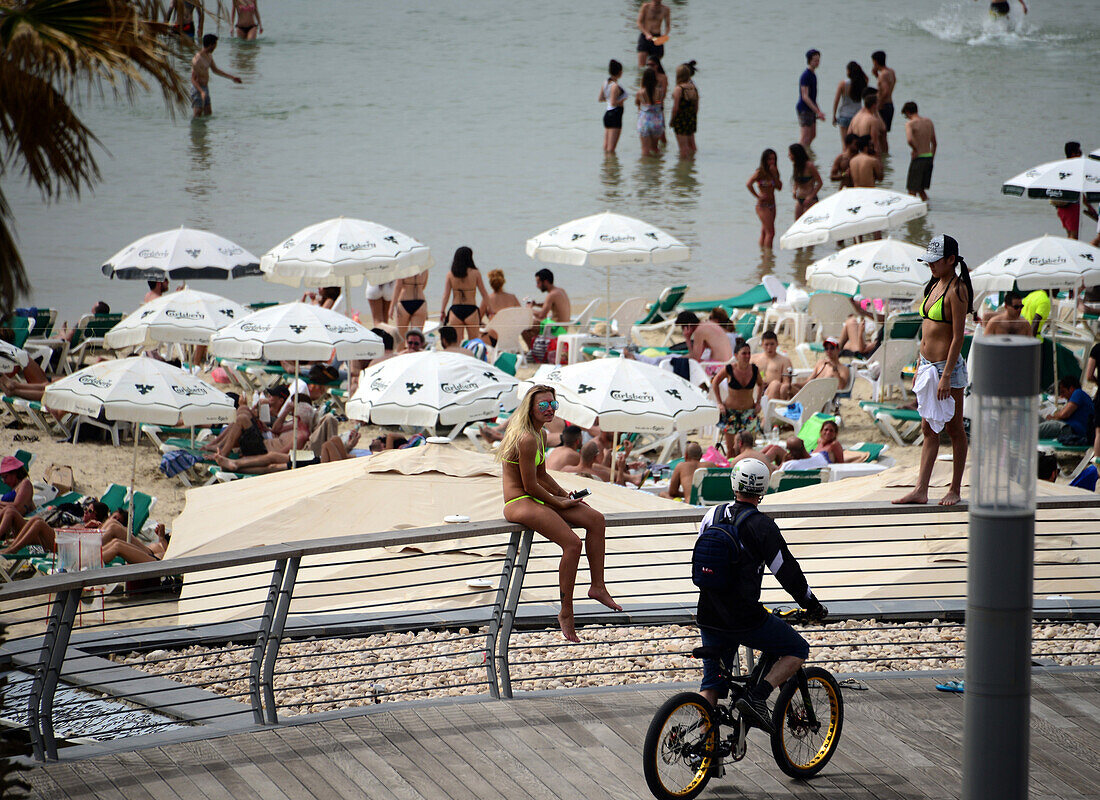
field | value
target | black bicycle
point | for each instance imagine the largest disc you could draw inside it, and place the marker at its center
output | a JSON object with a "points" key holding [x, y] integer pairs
{"points": [[685, 748]]}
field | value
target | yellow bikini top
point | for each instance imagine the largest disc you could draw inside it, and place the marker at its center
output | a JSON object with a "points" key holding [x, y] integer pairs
{"points": [[540, 456], [936, 312]]}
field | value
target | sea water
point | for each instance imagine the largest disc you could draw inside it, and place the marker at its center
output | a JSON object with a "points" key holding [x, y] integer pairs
{"points": [[477, 124]]}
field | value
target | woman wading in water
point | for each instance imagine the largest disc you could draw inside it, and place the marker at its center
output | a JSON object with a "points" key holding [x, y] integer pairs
{"points": [[533, 499]]}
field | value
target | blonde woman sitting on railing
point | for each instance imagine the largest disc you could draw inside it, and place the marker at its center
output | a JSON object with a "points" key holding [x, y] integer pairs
{"points": [[533, 499]]}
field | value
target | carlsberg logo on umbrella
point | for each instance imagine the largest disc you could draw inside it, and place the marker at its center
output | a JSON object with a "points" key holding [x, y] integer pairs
{"points": [[91, 380], [189, 391], [458, 388], [631, 397], [379, 385], [613, 238], [1039, 261], [153, 253], [356, 247], [254, 327], [878, 266], [174, 314]]}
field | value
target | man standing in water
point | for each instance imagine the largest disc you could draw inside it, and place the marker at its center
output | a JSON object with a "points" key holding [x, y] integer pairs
{"points": [[886, 81], [868, 124], [201, 67], [808, 111], [652, 16], [920, 135], [864, 167]]}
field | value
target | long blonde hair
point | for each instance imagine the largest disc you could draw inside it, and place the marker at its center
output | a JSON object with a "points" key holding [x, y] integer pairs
{"points": [[521, 424]]}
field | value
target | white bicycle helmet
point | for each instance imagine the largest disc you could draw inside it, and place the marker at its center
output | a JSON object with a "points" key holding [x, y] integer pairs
{"points": [[750, 476]]}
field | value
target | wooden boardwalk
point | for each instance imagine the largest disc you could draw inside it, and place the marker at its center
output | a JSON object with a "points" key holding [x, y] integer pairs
{"points": [[901, 739]]}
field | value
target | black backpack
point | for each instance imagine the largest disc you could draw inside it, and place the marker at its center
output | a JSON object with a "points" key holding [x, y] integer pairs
{"points": [[718, 550]]}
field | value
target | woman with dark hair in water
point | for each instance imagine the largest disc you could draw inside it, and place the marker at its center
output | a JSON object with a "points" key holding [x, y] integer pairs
{"points": [[805, 179], [465, 281], [614, 96], [650, 122], [762, 185], [849, 98]]}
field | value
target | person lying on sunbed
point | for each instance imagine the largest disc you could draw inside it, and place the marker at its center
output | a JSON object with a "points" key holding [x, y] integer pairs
{"points": [[97, 516], [135, 552], [828, 444], [334, 449], [19, 500]]}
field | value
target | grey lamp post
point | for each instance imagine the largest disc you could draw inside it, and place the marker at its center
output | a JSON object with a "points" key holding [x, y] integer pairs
{"points": [[1000, 568]]}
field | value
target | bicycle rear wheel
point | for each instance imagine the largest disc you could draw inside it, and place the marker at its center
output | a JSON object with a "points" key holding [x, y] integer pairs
{"points": [[679, 747], [801, 749]]}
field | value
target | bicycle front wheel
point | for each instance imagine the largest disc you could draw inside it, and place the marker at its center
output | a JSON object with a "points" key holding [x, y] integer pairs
{"points": [[680, 748], [803, 747]]}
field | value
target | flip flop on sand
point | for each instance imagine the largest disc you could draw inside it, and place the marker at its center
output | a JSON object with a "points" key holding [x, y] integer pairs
{"points": [[951, 686]]}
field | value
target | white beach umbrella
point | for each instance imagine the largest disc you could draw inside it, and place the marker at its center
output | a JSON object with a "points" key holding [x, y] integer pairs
{"points": [[885, 268], [850, 213], [139, 390], [344, 252], [183, 253], [1058, 180], [12, 357], [607, 240], [184, 317], [628, 396], [431, 388], [1048, 262], [1095, 154], [296, 332]]}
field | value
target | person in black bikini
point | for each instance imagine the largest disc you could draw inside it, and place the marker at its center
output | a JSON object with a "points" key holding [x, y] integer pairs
{"points": [[245, 19], [464, 280], [740, 408], [409, 305]]}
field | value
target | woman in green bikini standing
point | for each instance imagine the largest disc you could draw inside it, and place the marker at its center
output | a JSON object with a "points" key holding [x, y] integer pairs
{"points": [[533, 499]]}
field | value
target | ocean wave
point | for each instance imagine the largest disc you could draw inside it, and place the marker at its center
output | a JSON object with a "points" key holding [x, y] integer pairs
{"points": [[970, 24]]}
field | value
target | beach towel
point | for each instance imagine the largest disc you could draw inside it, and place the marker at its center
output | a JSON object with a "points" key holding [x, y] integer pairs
{"points": [[177, 461], [714, 456], [793, 412], [932, 410]]}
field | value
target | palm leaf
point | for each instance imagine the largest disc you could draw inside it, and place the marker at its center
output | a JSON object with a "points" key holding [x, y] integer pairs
{"points": [[52, 52]]}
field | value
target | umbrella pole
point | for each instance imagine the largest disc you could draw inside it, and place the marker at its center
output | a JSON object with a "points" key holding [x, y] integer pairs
{"points": [[294, 420], [1054, 339], [351, 315], [607, 325], [133, 479]]}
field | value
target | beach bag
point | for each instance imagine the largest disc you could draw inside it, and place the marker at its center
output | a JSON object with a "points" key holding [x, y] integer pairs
{"points": [[714, 456], [543, 349], [59, 476], [718, 550]]}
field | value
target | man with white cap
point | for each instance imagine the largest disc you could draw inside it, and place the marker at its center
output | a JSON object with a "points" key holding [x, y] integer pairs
{"points": [[941, 371], [730, 614]]}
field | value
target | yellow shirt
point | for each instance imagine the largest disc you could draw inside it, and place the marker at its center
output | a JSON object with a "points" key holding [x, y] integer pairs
{"points": [[1036, 304]]}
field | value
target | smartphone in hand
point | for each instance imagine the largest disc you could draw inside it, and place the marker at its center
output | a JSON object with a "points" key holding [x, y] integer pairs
{"points": [[579, 493]]}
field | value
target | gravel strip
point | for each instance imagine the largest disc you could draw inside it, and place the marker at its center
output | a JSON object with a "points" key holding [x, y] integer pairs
{"points": [[316, 675]]}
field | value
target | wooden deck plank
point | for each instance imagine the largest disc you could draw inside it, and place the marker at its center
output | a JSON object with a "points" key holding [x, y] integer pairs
{"points": [[343, 763], [902, 741], [507, 774], [362, 752], [527, 768], [413, 761], [171, 773]]}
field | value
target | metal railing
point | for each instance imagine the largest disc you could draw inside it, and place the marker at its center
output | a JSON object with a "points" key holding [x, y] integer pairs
{"points": [[324, 625]]}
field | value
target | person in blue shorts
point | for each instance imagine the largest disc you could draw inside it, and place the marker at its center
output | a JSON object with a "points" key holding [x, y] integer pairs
{"points": [[733, 617], [807, 108]]}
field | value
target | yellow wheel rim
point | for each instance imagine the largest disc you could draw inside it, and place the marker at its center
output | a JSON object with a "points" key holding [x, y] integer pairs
{"points": [[692, 714], [797, 738]]}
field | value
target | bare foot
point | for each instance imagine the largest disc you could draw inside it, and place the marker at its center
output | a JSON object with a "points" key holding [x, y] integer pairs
{"points": [[565, 622], [950, 499], [225, 463], [602, 595], [916, 497]]}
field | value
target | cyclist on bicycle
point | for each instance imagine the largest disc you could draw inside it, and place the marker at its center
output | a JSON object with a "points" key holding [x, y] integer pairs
{"points": [[728, 618]]}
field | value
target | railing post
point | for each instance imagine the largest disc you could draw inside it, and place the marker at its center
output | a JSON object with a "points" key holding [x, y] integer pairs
{"points": [[53, 669], [508, 616], [268, 616], [267, 681], [34, 699], [498, 613]]}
